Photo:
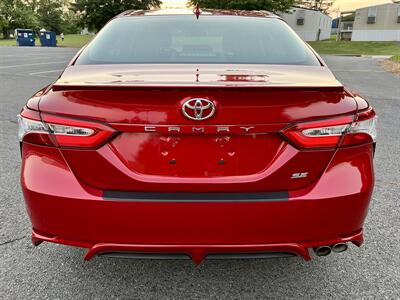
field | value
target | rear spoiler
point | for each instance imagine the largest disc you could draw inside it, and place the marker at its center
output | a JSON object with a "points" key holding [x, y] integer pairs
{"points": [[83, 87]]}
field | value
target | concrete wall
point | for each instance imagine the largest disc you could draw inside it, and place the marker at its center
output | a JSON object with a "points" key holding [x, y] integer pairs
{"points": [[385, 28], [313, 21]]}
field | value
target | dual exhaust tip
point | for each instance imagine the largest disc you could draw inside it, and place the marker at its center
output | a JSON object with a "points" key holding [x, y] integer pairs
{"points": [[326, 250]]}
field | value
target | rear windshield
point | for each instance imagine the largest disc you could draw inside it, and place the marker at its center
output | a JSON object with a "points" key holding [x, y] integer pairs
{"points": [[208, 40]]}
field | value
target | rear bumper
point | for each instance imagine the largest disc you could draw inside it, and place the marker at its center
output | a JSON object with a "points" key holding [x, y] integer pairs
{"points": [[199, 252], [63, 210]]}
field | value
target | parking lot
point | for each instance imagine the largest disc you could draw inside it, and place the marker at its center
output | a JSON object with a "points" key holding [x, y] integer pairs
{"points": [[55, 271]]}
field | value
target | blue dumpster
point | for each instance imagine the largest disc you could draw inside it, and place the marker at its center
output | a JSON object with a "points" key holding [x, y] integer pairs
{"points": [[48, 39], [25, 37]]}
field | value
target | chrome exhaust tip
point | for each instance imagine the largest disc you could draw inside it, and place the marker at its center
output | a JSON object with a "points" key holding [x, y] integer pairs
{"points": [[322, 250], [339, 247]]}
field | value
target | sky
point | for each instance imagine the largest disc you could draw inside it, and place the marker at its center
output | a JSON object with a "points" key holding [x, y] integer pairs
{"points": [[342, 5], [346, 5], [174, 4]]}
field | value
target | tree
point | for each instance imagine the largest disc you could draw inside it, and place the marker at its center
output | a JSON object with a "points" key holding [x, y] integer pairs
{"points": [[16, 14], [2, 23], [94, 14], [70, 23], [270, 5], [322, 5], [49, 14]]}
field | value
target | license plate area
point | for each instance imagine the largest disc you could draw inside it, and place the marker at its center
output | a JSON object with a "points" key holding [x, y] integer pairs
{"points": [[191, 155]]}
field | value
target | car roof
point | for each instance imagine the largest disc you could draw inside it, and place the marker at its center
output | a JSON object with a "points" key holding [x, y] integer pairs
{"points": [[214, 12]]}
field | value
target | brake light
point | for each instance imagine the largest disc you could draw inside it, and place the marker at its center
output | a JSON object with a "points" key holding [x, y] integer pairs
{"points": [[331, 133], [59, 131], [318, 134]]}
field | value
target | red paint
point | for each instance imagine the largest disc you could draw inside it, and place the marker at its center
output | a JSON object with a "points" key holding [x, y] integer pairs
{"points": [[75, 212], [253, 143]]}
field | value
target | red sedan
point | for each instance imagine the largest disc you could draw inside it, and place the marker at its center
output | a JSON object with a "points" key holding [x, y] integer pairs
{"points": [[212, 135]]}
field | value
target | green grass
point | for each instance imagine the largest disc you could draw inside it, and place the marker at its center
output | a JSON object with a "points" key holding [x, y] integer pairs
{"points": [[395, 59], [7, 42], [74, 40], [356, 48], [71, 40]]}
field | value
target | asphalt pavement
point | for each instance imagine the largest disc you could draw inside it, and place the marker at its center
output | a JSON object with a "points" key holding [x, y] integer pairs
{"points": [[56, 271]]}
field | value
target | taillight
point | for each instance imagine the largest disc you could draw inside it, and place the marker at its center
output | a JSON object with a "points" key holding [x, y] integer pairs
{"points": [[59, 131], [32, 130], [362, 130], [334, 132]]}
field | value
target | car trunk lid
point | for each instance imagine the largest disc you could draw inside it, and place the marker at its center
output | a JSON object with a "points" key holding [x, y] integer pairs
{"points": [[157, 148]]}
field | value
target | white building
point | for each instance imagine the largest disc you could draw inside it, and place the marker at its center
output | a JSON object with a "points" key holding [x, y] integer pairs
{"points": [[377, 23], [310, 24]]}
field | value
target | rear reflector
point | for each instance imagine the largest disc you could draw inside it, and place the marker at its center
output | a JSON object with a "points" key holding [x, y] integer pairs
{"points": [[59, 131], [334, 132]]}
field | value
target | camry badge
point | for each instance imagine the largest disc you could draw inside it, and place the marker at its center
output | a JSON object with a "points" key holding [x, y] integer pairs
{"points": [[198, 109]]}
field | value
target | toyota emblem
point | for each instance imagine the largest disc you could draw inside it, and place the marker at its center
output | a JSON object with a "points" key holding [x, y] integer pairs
{"points": [[198, 109]]}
